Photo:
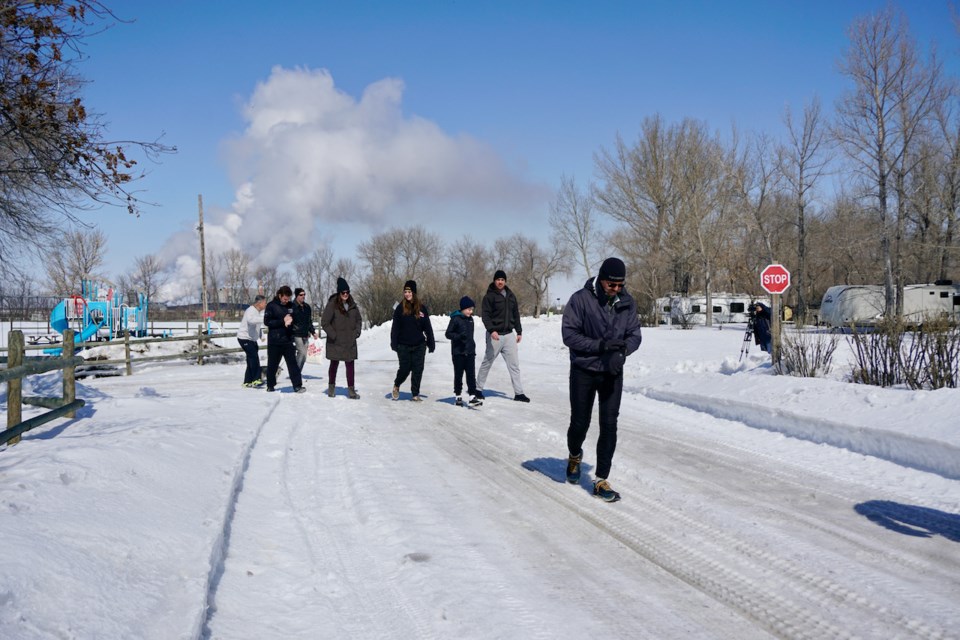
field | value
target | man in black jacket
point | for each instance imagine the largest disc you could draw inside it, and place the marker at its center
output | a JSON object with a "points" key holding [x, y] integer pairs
{"points": [[601, 327], [501, 318], [278, 318], [302, 325]]}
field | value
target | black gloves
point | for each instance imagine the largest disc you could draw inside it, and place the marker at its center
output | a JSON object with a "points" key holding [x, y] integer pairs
{"points": [[612, 345], [617, 359], [431, 348]]}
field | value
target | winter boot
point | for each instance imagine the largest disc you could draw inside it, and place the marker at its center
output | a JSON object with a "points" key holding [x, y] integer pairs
{"points": [[573, 468], [602, 489], [521, 398], [395, 394], [352, 393], [331, 390]]}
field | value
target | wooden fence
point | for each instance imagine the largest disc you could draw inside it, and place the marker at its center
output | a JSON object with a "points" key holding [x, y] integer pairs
{"points": [[66, 406]]}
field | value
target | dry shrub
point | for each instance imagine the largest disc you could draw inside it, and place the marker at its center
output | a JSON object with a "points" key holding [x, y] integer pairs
{"points": [[891, 354], [807, 355]]}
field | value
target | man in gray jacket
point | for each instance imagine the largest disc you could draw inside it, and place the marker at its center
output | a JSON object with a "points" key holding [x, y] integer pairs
{"points": [[501, 318], [601, 328]]}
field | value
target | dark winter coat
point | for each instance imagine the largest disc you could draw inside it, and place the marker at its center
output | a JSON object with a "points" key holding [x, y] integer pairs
{"points": [[412, 330], [588, 321], [761, 326], [499, 311], [273, 316], [342, 328], [460, 334], [303, 320]]}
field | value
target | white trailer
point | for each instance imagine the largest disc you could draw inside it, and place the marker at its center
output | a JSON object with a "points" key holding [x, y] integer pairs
{"points": [[863, 305], [692, 310]]}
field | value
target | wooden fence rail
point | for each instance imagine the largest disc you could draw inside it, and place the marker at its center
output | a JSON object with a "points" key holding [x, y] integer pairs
{"points": [[65, 406]]}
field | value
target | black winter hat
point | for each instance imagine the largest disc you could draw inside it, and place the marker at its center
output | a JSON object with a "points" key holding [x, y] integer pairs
{"points": [[342, 286], [466, 302], [613, 270], [500, 273], [410, 284]]}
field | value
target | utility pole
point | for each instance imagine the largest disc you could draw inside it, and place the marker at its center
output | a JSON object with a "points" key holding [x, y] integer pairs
{"points": [[203, 259]]}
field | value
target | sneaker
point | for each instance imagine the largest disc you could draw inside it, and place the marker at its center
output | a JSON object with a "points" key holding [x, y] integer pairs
{"points": [[299, 389], [396, 392], [521, 398], [416, 398], [602, 489], [573, 468], [256, 384], [458, 401], [477, 400], [248, 384], [270, 389]]}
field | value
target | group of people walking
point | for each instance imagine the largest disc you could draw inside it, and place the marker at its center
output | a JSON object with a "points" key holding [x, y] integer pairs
{"points": [[600, 327], [289, 322]]}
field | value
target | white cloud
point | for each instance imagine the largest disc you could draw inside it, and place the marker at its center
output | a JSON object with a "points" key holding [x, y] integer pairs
{"points": [[313, 155]]}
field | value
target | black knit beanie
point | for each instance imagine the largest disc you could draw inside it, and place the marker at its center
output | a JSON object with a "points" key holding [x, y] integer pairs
{"points": [[410, 284], [500, 273], [342, 286], [613, 270]]}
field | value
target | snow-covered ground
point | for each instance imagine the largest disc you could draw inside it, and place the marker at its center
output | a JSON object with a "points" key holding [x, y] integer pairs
{"points": [[181, 505]]}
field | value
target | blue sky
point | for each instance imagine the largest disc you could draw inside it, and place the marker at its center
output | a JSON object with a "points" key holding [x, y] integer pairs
{"points": [[483, 104]]}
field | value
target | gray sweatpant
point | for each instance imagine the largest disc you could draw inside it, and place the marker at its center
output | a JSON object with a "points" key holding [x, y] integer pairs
{"points": [[506, 346], [301, 344]]}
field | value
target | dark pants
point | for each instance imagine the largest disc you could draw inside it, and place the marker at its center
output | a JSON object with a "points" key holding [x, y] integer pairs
{"points": [[461, 365], [253, 360], [287, 351], [411, 361], [584, 387], [332, 372]]}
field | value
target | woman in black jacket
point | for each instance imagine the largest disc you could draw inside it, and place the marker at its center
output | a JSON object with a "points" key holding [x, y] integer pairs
{"points": [[411, 336], [278, 318]]}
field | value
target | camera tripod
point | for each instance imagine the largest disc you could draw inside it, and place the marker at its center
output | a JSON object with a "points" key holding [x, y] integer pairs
{"points": [[747, 339]]}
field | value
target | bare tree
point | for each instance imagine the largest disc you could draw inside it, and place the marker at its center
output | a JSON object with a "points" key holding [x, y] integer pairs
{"points": [[802, 161], [314, 274], [149, 276], [892, 94], [573, 223], [54, 156], [78, 255], [236, 279], [531, 267]]}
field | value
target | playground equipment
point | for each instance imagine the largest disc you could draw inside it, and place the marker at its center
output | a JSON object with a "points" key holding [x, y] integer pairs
{"points": [[99, 311]]}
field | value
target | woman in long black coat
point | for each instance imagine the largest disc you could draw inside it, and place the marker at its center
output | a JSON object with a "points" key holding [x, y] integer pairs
{"points": [[342, 323], [411, 336]]}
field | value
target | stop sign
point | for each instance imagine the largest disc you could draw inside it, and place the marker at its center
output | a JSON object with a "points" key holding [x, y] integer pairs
{"points": [[775, 278]]}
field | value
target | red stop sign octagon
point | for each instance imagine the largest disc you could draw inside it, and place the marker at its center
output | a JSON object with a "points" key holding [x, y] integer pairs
{"points": [[775, 278]]}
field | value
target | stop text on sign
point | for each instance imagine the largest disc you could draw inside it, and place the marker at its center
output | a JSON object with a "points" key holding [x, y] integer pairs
{"points": [[775, 279]]}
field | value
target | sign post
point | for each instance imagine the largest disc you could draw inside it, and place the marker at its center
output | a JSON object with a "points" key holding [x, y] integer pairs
{"points": [[775, 279]]}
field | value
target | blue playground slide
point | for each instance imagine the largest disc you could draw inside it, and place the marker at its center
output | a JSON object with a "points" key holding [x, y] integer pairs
{"points": [[60, 323]]}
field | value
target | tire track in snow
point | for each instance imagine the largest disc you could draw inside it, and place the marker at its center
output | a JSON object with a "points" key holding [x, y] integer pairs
{"points": [[729, 579], [222, 546]]}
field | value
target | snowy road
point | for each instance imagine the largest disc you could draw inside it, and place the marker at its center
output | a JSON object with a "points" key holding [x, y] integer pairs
{"points": [[181, 505], [428, 521]]}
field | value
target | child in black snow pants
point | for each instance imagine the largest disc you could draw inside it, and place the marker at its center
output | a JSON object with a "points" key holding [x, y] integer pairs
{"points": [[463, 350]]}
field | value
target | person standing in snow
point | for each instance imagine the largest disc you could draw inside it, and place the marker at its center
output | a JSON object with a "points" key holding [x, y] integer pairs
{"points": [[279, 320], [303, 328], [248, 335], [761, 327], [601, 328], [501, 318], [463, 350], [342, 323], [411, 336]]}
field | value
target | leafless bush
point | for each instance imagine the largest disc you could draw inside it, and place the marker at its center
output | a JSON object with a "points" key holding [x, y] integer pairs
{"points": [[929, 358], [807, 355]]}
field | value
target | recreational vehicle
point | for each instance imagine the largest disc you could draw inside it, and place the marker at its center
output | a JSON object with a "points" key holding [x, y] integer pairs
{"points": [[691, 310], [863, 305]]}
